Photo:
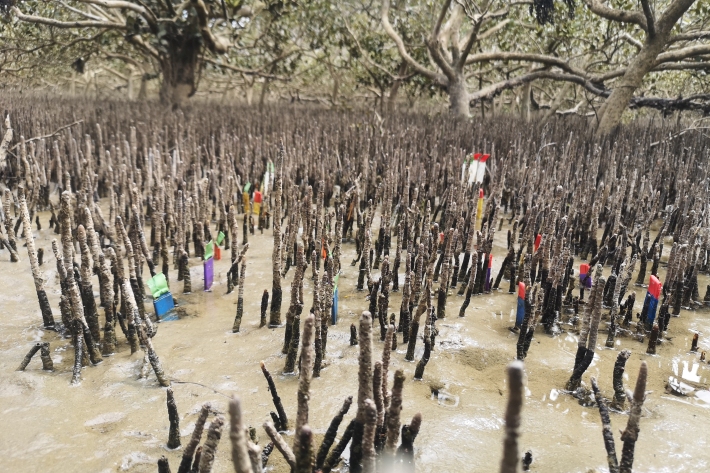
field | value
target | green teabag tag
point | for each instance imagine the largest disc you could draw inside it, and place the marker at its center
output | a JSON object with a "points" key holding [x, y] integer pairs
{"points": [[209, 250], [335, 283], [247, 186], [271, 167], [220, 238], [158, 285]]}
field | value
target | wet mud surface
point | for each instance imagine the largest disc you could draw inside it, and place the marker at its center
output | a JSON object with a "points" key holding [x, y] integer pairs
{"points": [[114, 421]]}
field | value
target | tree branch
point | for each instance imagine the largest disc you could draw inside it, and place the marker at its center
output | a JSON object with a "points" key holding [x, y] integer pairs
{"points": [[495, 89], [691, 36], [420, 69], [613, 14], [472, 38], [137, 41], [668, 61], [494, 29], [80, 12], [65, 24], [650, 22], [525, 57], [214, 44], [672, 14], [699, 102], [126, 59], [47, 136], [434, 43], [116, 73], [364, 54], [117, 4], [631, 40], [249, 72], [683, 53]]}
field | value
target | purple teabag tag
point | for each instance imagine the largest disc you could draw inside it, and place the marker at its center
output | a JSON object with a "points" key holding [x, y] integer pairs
{"points": [[209, 273]]}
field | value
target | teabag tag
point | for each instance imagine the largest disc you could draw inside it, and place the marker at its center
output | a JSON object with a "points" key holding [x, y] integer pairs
{"points": [[158, 285], [256, 207], [208, 266], [334, 309], [267, 180], [520, 315], [245, 196], [220, 238], [473, 169], [163, 305], [162, 298], [209, 250], [487, 284], [481, 169], [654, 292]]}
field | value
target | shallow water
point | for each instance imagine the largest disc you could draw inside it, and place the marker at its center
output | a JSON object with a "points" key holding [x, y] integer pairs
{"points": [[114, 421]]}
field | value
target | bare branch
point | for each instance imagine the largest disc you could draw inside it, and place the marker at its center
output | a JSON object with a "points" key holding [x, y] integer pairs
{"points": [[420, 69], [672, 14], [668, 61], [115, 73], [650, 22], [434, 43], [631, 40], [683, 53], [126, 59], [48, 136], [472, 38], [82, 13], [213, 43], [495, 89], [145, 48], [365, 55], [689, 36], [249, 72], [494, 29], [116, 4], [620, 16], [65, 24], [539, 58]]}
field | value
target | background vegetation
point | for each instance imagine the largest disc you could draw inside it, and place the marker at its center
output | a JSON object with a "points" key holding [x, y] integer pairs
{"points": [[597, 59]]}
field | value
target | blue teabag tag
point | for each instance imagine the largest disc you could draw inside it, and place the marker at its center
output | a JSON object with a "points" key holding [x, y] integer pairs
{"points": [[334, 309], [163, 305]]}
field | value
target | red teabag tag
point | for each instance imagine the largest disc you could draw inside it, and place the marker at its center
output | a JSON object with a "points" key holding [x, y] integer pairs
{"points": [[654, 287], [487, 283], [520, 313], [585, 278]]}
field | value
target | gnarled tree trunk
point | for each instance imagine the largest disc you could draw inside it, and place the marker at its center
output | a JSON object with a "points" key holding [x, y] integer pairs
{"points": [[180, 67], [458, 97], [614, 106], [657, 36]]}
